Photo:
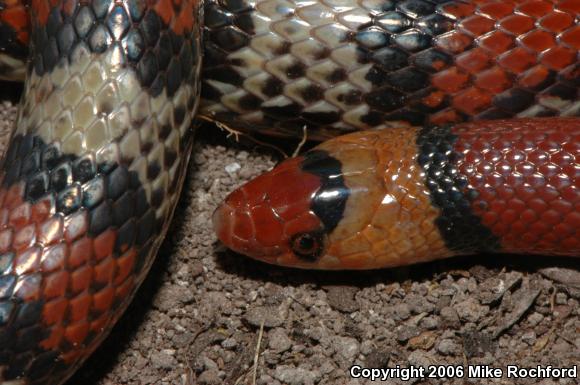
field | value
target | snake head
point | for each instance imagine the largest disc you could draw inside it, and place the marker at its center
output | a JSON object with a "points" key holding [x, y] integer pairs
{"points": [[274, 218]]}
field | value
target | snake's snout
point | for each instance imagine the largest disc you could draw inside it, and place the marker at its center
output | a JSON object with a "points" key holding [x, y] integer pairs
{"points": [[224, 217], [234, 226]]}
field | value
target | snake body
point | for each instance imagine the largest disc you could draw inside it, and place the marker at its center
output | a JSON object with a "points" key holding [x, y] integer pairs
{"points": [[376, 199], [97, 159], [337, 66]]}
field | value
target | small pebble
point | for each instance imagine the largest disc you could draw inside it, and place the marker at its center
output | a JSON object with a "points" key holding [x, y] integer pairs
{"points": [[561, 299], [278, 340], [449, 316], [229, 343], [402, 311], [232, 167], [529, 337], [270, 316], [346, 347], [163, 360], [535, 318], [447, 347], [296, 376], [209, 377], [470, 310]]}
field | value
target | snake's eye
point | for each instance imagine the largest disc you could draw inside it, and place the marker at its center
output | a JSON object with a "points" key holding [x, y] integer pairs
{"points": [[307, 245]]}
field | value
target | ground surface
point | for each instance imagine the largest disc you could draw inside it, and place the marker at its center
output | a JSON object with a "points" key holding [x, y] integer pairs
{"points": [[196, 320]]}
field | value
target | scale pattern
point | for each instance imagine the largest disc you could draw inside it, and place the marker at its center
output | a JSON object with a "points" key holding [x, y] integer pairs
{"points": [[523, 182], [92, 174], [337, 66]]}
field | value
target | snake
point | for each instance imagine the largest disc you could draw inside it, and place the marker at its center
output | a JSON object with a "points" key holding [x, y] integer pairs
{"points": [[452, 128]]}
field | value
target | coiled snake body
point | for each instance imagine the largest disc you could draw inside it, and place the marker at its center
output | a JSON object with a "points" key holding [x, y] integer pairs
{"points": [[96, 162]]}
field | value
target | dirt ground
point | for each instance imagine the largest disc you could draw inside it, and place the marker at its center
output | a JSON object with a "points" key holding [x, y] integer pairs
{"points": [[197, 318]]}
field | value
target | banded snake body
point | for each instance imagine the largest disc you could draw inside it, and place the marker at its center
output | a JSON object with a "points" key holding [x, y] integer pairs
{"points": [[97, 159]]}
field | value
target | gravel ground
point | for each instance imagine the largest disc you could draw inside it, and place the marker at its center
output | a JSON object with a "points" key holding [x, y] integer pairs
{"points": [[197, 318]]}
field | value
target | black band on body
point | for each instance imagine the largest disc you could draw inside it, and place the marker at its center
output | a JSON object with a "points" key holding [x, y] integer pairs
{"points": [[459, 226], [329, 202]]}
